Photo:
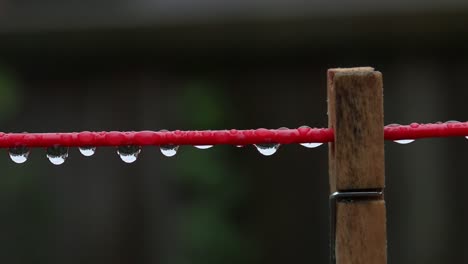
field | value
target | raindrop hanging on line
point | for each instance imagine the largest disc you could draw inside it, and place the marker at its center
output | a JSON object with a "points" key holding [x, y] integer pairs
{"points": [[57, 154], [19, 154], [267, 149], [128, 154], [311, 145], [203, 146], [87, 151], [169, 150], [404, 141]]}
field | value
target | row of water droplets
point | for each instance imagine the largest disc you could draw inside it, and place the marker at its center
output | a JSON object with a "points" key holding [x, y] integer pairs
{"points": [[415, 125], [129, 154], [58, 154], [271, 148]]}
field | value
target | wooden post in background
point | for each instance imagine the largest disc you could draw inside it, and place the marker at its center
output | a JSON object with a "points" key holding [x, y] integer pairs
{"points": [[356, 164]]}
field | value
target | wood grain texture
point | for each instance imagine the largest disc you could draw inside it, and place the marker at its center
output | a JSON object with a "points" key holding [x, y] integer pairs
{"points": [[361, 236], [355, 112]]}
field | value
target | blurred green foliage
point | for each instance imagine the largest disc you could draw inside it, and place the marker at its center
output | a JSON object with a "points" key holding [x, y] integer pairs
{"points": [[26, 209], [209, 233], [9, 94], [206, 104]]}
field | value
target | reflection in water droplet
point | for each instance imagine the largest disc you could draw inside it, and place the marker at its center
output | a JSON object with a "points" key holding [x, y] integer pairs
{"points": [[57, 154], [169, 150], [19, 154], [267, 149], [129, 153], [239, 146], [203, 146], [452, 121], [404, 141], [311, 145], [87, 151]]}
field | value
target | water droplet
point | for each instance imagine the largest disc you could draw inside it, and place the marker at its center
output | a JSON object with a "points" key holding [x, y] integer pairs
{"points": [[311, 145], [129, 153], [57, 154], [303, 129], [267, 149], [404, 141], [169, 150], [87, 151], [240, 146], [203, 146], [453, 123], [19, 154]]}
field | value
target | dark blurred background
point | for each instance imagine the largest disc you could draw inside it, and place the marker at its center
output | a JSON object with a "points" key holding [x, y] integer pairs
{"points": [[149, 65]]}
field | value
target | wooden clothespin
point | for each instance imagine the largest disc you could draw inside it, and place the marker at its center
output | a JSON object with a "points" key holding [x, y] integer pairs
{"points": [[356, 166]]}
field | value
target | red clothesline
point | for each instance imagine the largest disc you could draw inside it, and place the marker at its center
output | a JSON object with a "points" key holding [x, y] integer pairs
{"points": [[215, 137]]}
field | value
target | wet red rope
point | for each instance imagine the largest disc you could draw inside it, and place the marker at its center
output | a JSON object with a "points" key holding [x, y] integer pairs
{"points": [[417, 131], [145, 138], [215, 137]]}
